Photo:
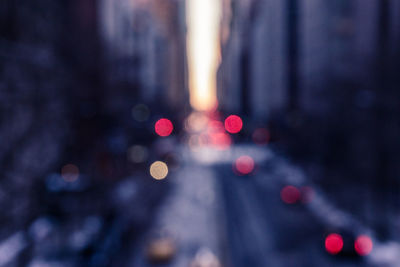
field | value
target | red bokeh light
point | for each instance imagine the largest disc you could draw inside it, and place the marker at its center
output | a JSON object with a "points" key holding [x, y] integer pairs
{"points": [[70, 172], [290, 194], [363, 245], [215, 126], [233, 124], [261, 136], [220, 141], [244, 165], [334, 243], [163, 127]]}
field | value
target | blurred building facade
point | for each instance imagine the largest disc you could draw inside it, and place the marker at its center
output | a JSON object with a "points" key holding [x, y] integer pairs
{"points": [[252, 72], [145, 47], [68, 82], [322, 74], [307, 61], [270, 43], [32, 105]]}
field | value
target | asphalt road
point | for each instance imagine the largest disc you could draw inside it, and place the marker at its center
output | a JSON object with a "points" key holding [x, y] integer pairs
{"points": [[242, 220], [264, 231]]}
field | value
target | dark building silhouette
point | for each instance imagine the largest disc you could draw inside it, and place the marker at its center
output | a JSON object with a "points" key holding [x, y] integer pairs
{"points": [[323, 76]]}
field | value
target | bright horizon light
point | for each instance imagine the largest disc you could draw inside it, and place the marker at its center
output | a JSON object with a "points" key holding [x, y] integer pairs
{"points": [[203, 50]]}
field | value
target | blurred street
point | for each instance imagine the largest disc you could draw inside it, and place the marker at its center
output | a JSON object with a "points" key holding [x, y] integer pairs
{"points": [[199, 133], [245, 220]]}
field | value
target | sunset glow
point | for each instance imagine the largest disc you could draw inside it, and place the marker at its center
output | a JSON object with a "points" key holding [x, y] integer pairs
{"points": [[203, 23]]}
